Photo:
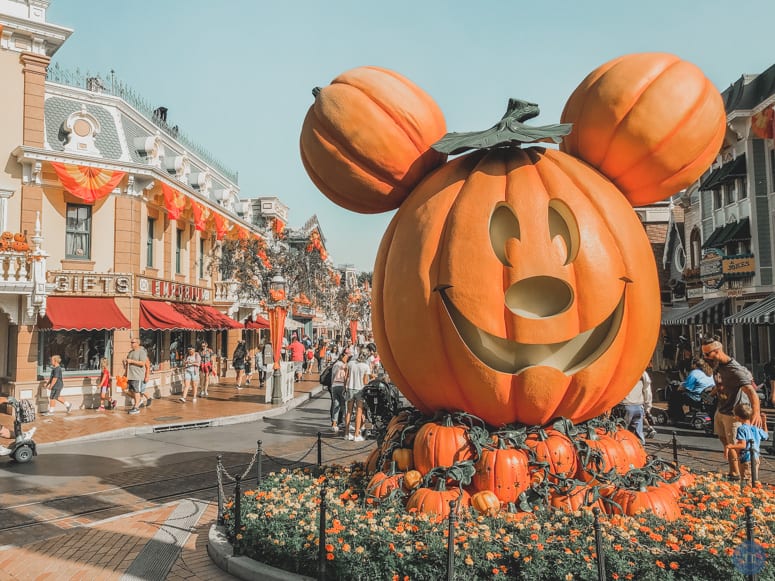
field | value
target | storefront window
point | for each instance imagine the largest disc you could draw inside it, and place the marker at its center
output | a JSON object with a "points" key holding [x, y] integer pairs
{"points": [[81, 351], [78, 233], [151, 340], [179, 342]]}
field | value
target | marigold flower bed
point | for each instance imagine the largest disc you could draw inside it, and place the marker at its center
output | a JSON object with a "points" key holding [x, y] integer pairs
{"points": [[366, 539]]}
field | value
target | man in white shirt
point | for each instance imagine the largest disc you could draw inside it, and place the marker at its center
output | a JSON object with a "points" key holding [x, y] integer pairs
{"points": [[357, 376]]}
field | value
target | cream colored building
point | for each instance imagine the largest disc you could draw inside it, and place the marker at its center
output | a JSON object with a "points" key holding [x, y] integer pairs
{"points": [[122, 214]]}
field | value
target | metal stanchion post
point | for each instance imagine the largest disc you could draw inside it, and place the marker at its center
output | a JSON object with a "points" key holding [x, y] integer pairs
{"points": [[259, 453], [754, 471], [322, 535], [675, 449], [237, 514], [320, 449], [451, 542], [599, 545], [218, 475], [749, 535]]}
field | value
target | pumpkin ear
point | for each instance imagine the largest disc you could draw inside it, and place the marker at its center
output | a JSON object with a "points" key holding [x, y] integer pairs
{"points": [[651, 122], [365, 141]]}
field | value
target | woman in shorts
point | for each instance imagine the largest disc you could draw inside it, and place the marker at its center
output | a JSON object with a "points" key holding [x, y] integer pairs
{"points": [[191, 373], [206, 367]]}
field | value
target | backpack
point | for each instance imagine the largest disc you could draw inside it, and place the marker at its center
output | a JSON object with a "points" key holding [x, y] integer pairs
{"points": [[326, 377], [26, 411]]}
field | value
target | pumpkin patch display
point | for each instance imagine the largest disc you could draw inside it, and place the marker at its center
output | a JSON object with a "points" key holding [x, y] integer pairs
{"points": [[519, 273], [366, 141]]}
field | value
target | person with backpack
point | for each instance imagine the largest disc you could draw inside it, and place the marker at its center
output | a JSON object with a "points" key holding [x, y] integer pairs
{"points": [[337, 376], [238, 362]]}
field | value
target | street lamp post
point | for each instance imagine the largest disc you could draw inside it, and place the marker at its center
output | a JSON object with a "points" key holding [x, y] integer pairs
{"points": [[278, 308]]}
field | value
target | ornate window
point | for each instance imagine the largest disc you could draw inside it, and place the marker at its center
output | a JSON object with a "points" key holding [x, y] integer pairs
{"points": [[78, 232]]}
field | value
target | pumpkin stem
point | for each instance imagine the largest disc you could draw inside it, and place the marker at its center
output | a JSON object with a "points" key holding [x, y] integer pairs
{"points": [[510, 131], [316, 91]]}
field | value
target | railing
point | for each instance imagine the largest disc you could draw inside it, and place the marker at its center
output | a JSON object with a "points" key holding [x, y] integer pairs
{"points": [[14, 267], [110, 85], [226, 292]]}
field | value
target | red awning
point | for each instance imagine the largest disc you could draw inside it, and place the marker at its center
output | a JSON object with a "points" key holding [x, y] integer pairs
{"points": [[82, 314], [257, 322], [161, 315], [210, 318]]}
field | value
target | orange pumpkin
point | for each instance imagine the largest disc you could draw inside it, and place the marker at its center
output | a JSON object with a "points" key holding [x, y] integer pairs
{"points": [[365, 142], [436, 500], [441, 444], [19, 237], [403, 457], [572, 498], [383, 483], [535, 276], [659, 500], [601, 454], [20, 246], [4, 244], [556, 450], [634, 452], [7, 236], [371, 460], [412, 480], [651, 122], [486, 502], [503, 471]]}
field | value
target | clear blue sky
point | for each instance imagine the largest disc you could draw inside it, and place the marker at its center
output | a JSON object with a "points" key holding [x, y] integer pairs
{"points": [[237, 75]]}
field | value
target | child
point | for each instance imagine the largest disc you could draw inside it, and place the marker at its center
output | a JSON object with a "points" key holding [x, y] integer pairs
{"points": [[55, 385], [746, 432], [104, 385]]}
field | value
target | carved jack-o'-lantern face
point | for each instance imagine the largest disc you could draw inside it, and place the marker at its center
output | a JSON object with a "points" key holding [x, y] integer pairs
{"points": [[511, 284]]}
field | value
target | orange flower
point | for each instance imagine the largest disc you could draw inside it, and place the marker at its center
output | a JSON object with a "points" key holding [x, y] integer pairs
{"points": [[330, 556], [660, 564], [330, 548], [673, 565]]}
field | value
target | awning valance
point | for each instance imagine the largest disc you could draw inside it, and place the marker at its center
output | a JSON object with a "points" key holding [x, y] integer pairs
{"points": [[741, 231], [710, 311], [208, 317], [257, 322], [759, 313], [726, 173], [161, 315], [82, 314]]}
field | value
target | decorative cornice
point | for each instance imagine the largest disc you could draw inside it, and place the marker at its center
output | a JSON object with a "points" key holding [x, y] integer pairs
{"points": [[45, 39]]}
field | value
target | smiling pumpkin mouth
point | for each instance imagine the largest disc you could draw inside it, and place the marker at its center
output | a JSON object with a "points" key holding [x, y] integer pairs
{"points": [[513, 357]]}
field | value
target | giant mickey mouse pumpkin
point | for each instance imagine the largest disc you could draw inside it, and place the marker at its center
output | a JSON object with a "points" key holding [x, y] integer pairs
{"points": [[516, 283]]}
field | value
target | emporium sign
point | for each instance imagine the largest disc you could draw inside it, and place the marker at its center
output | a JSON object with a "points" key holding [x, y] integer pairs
{"points": [[172, 291], [78, 282]]}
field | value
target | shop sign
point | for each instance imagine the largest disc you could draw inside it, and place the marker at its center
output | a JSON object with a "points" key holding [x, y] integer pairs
{"points": [[90, 283], [711, 268], [694, 293], [172, 291], [739, 265]]}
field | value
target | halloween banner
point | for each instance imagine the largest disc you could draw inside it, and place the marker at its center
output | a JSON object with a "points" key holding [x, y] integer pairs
{"points": [[87, 183], [221, 226], [174, 201]]}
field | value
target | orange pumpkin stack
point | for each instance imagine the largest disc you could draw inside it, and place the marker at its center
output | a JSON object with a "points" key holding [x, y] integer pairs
{"points": [[455, 458]]}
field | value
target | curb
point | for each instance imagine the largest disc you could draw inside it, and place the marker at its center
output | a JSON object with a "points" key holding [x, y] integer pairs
{"points": [[222, 554], [214, 422]]}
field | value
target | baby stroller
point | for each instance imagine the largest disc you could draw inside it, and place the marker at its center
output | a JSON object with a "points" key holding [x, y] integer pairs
{"points": [[381, 401], [23, 448]]}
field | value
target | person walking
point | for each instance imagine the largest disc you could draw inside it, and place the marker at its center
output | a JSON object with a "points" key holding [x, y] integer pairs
{"points": [[105, 396], [338, 399], [206, 367], [636, 404], [296, 349], [55, 385], [138, 372], [191, 368], [734, 384], [238, 362], [357, 377]]}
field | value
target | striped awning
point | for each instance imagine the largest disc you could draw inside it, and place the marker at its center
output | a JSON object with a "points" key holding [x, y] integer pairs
{"points": [[759, 313], [708, 311]]}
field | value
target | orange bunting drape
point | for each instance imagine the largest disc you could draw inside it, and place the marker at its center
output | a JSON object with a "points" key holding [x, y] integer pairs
{"points": [[276, 331], [201, 214], [174, 201], [87, 183], [221, 226], [354, 332], [279, 226], [763, 124]]}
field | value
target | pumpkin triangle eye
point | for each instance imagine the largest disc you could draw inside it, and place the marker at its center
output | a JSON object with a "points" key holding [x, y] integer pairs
{"points": [[563, 223], [503, 226]]}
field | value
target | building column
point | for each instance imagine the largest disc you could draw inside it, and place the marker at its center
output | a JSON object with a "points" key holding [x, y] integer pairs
{"points": [[34, 71]]}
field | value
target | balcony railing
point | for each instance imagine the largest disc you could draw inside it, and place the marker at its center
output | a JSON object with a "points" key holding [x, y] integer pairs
{"points": [[15, 271], [226, 293]]}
